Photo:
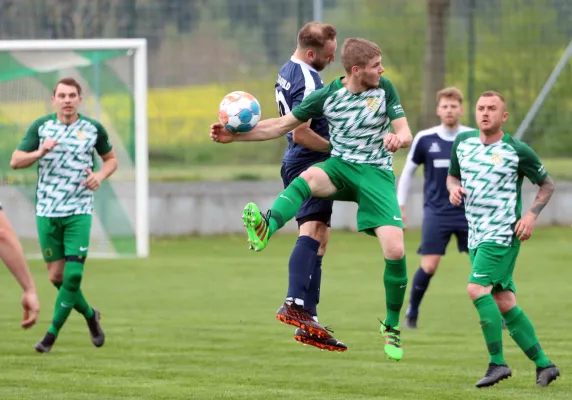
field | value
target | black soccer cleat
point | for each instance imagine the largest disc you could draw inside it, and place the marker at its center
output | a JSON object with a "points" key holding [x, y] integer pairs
{"points": [[296, 315], [410, 323], [330, 343], [95, 331], [45, 345], [495, 373], [546, 375]]}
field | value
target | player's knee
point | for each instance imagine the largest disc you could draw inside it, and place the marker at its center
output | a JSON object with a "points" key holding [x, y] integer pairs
{"points": [[319, 182], [72, 279], [391, 240], [73, 273], [430, 263], [309, 176], [317, 230], [475, 291], [55, 278], [506, 300], [395, 251]]}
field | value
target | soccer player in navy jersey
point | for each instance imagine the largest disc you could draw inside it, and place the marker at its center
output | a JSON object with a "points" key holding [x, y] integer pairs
{"points": [[297, 78], [441, 220], [308, 145]]}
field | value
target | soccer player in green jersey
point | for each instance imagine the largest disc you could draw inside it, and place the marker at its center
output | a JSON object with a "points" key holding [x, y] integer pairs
{"points": [[359, 109], [486, 172], [63, 144]]}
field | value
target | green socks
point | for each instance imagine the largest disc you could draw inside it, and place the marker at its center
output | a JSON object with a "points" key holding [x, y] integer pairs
{"points": [[81, 305], [491, 325], [65, 302], [287, 204], [67, 295], [395, 282], [523, 334]]}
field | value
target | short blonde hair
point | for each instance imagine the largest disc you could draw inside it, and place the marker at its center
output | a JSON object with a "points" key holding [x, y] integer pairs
{"points": [[450, 93], [358, 51]]}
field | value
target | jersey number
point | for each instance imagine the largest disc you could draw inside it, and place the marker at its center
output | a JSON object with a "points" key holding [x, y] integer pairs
{"points": [[283, 108]]}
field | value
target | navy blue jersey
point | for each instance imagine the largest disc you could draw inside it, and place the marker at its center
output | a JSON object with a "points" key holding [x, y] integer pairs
{"points": [[432, 148], [295, 81]]}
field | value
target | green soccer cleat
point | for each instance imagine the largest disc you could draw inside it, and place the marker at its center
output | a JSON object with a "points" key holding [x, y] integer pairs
{"points": [[392, 336], [256, 226]]}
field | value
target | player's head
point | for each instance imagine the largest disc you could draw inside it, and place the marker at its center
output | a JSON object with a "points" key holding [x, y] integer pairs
{"points": [[450, 106], [491, 112], [67, 97], [318, 44], [362, 59]]}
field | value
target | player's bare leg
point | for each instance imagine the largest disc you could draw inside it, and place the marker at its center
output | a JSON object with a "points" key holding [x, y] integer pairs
{"points": [[395, 282], [12, 254]]}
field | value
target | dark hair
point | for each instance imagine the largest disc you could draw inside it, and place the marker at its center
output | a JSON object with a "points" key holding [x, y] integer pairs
{"points": [[68, 82]]}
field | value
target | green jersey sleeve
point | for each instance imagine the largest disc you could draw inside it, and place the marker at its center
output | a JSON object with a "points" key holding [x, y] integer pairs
{"points": [[102, 145], [312, 106], [529, 164], [31, 141], [454, 167], [394, 108]]}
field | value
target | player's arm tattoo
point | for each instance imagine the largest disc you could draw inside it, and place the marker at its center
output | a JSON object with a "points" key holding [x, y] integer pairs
{"points": [[543, 196], [452, 182]]}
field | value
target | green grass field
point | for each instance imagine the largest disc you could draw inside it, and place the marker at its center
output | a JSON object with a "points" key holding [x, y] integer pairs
{"points": [[196, 321]]}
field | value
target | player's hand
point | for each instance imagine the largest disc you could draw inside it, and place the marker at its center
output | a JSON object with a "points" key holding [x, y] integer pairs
{"points": [[392, 142], [220, 134], [31, 306], [48, 145], [524, 227], [456, 195], [93, 180], [403, 216]]}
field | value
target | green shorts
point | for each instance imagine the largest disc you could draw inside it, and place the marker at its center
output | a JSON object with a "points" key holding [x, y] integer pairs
{"points": [[493, 264], [64, 236], [373, 189]]}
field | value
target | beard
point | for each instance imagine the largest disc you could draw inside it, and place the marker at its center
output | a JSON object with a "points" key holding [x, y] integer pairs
{"points": [[319, 65]]}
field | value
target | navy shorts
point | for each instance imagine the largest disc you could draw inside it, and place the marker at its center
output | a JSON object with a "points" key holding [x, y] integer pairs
{"points": [[313, 209], [436, 233]]}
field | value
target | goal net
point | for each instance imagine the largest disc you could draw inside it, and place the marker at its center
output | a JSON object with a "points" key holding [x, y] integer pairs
{"points": [[113, 76]]}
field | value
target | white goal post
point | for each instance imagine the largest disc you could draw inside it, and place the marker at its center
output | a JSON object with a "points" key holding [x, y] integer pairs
{"points": [[129, 65]]}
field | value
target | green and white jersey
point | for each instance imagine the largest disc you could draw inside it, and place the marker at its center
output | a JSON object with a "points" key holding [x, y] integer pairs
{"points": [[59, 191], [492, 176], [357, 122]]}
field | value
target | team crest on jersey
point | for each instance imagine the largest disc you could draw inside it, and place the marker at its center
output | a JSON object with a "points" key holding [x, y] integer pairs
{"points": [[497, 159], [373, 103], [81, 135]]}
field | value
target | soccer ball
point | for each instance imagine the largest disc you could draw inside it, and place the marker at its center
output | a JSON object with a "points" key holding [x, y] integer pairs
{"points": [[239, 112]]}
